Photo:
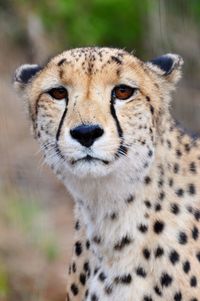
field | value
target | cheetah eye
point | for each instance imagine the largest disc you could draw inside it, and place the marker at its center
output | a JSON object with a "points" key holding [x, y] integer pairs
{"points": [[123, 92], [58, 93]]}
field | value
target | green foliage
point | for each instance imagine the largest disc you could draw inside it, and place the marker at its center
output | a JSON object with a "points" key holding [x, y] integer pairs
{"points": [[28, 219], [119, 23], [4, 287]]}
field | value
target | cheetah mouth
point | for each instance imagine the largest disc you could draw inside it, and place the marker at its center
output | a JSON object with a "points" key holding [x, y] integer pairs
{"points": [[89, 159]]}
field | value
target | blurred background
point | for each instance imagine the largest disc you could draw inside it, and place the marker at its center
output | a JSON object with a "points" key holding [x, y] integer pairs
{"points": [[36, 213]]}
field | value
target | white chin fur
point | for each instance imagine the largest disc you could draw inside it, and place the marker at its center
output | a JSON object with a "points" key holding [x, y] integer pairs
{"points": [[90, 169]]}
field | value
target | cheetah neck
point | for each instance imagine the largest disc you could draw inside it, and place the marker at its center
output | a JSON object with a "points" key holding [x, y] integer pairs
{"points": [[120, 215]]}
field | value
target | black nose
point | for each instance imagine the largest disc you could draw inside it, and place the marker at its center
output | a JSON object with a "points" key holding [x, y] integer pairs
{"points": [[86, 134]]}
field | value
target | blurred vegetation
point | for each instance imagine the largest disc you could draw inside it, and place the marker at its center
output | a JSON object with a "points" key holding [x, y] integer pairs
{"points": [[118, 23], [96, 22]]}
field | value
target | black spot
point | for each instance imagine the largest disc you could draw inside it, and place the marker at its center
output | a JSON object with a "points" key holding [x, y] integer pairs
{"points": [[193, 281], [182, 238], [74, 267], [130, 199], [86, 267], [102, 276], [157, 207], [125, 279], [158, 227], [161, 195], [147, 180], [116, 59], [142, 228], [198, 256], [113, 215], [94, 297], [174, 257], [96, 270], [147, 298], [146, 253], [169, 144], [150, 153], [74, 289], [171, 182], [61, 62], [87, 244], [147, 203], [187, 147], [152, 109], [191, 189], [122, 243], [193, 167], [178, 296], [195, 233], [77, 225], [176, 168], [178, 153], [78, 248], [141, 272], [194, 299], [174, 208], [186, 266], [148, 98], [86, 293], [157, 290], [197, 215], [159, 252], [82, 278], [180, 192], [97, 239], [166, 280]]}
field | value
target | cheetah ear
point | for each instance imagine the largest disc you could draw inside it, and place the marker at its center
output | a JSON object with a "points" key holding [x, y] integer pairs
{"points": [[168, 66], [24, 74]]}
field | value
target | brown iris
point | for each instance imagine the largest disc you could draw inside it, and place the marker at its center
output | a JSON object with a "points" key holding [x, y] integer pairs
{"points": [[58, 93], [123, 92]]}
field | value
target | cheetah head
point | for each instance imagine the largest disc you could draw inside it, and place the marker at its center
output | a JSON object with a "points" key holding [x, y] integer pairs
{"points": [[96, 110]]}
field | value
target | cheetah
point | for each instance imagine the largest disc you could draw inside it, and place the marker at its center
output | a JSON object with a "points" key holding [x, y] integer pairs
{"points": [[102, 118]]}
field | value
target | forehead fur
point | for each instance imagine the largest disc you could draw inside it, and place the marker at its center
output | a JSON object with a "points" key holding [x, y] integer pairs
{"points": [[81, 66], [92, 60]]}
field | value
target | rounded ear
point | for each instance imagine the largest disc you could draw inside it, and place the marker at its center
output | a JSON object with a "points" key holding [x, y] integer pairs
{"points": [[168, 66], [24, 74]]}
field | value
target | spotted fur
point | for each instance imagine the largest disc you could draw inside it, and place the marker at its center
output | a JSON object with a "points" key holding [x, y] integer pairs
{"points": [[137, 207]]}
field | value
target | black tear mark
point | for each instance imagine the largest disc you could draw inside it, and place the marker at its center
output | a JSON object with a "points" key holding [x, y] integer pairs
{"points": [[61, 122], [113, 113], [122, 150], [33, 118]]}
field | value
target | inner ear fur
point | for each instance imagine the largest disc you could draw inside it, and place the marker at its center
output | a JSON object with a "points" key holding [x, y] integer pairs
{"points": [[24, 74], [167, 66]]}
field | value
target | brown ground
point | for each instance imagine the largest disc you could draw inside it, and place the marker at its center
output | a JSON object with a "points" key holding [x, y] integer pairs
{"points": [[36, 221]]}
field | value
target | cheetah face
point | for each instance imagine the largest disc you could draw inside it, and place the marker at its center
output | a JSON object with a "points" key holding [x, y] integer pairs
{"points": [[95, 110]]}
